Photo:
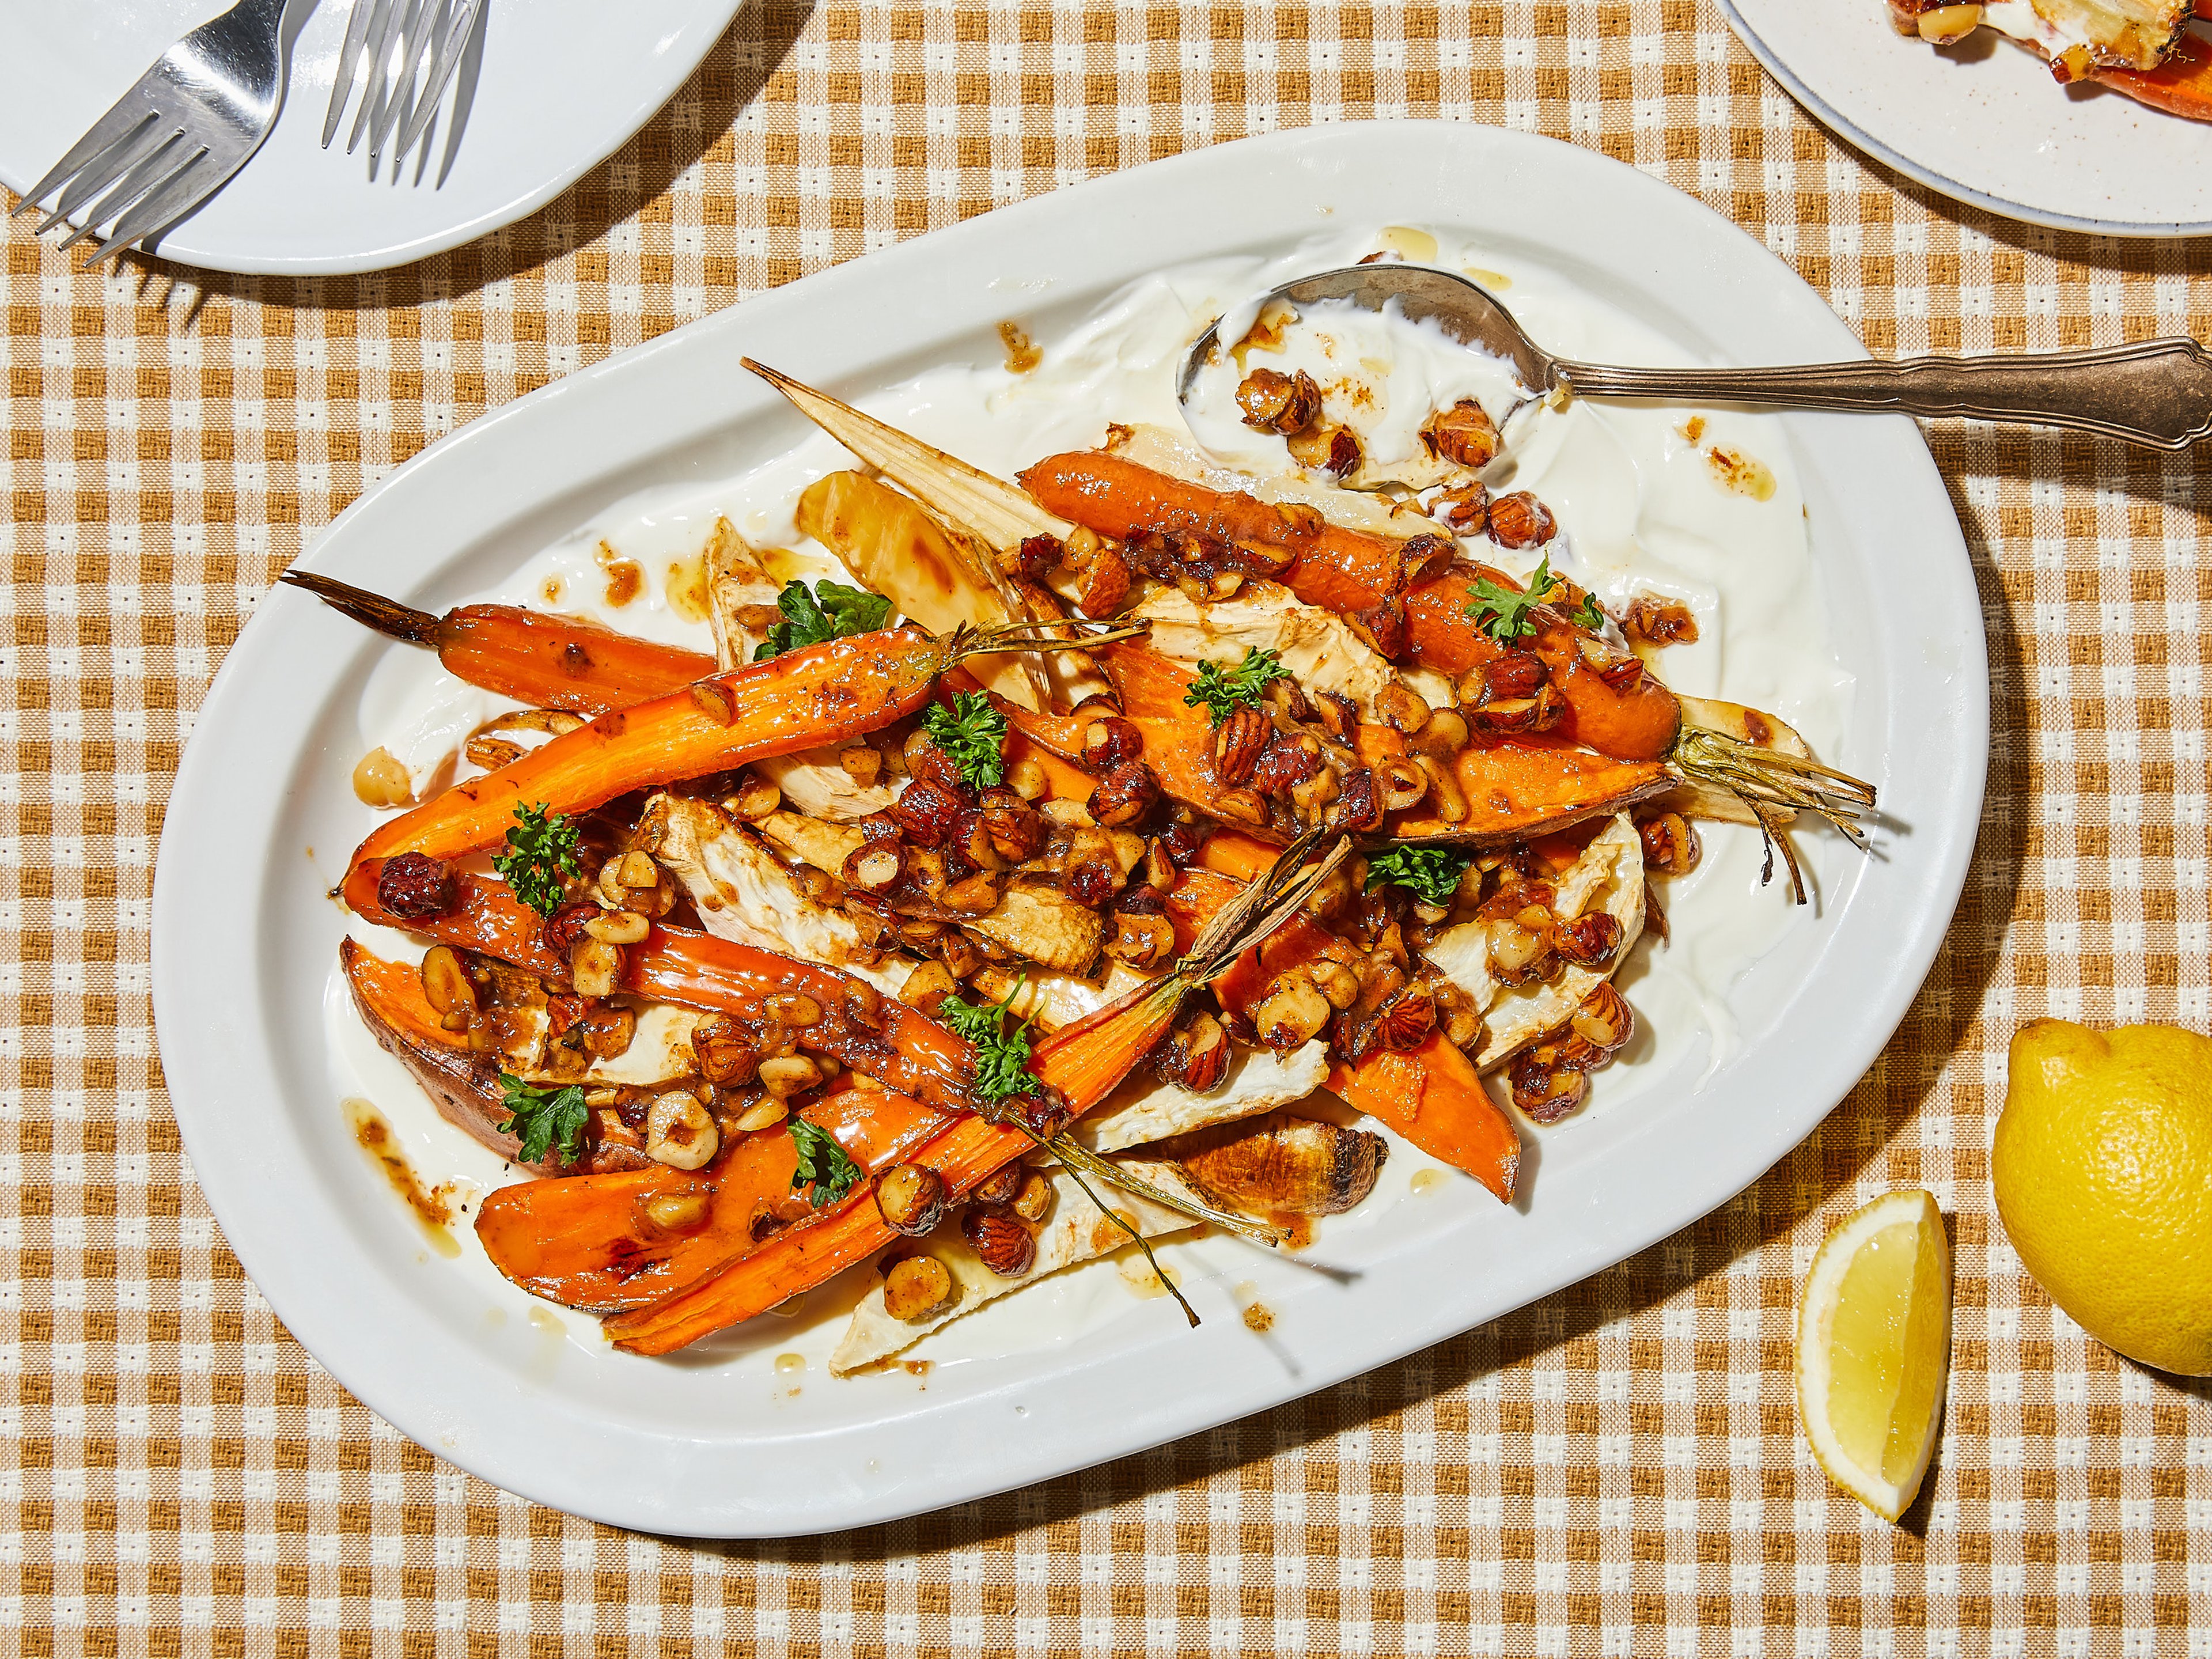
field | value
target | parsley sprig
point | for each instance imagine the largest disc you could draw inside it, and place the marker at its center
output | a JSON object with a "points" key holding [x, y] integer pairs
{"points": [[541, 849], [824, 1169], [1222, 692], [1002, 1057], [1503, 614], [973, 734], [829, 611], [1431, 874], [546, 1119]]}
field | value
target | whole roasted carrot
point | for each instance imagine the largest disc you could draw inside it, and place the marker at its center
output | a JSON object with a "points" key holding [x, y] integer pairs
{"points": [[860, 1028], [1084, 1062], [534, 657], [819, 694], [1350, 570]]}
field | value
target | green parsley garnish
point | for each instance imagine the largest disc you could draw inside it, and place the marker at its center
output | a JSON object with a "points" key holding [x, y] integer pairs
{"points": [[1503, 614], [1222, 693], [829, 611], [973, 734], [1591, 616], [541, 849], [1431, 874], [544, 1118], [824, 1169], [1002, 1057]]}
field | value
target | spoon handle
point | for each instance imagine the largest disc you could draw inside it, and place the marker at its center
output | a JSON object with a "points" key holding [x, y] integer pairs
{"points": [[2154, 393]]}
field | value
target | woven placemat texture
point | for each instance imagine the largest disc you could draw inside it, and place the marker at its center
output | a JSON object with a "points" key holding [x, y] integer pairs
{"points": [[1615, 1470]]}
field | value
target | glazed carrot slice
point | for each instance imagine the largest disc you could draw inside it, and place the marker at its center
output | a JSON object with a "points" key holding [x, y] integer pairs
{"points": [[1434, 1097], [1345, 569], [534, 657], [1085, 1062], [813, 696], [903, 1050], [1517, 788], [1348, 571], [588, 1242], [1431, 1095]]}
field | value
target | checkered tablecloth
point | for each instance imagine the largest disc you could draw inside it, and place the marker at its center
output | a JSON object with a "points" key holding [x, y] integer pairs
{"points": [[1615, 1470]]}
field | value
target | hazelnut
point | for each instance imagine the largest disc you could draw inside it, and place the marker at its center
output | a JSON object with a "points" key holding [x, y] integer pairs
{"points": [[677, 1213], [1292, 1014], [1109, 744], [1141, 941], [1407, 1020], [1034, 1202], [911, 1199], [1519, 520], [995, 1233], [1238, 745], [915, 1287], [727, 1058], [1670, 846], [415, 887], [1196, 1058], [1106, 584], [1654, 620], [999, 1186], [1279, 403], [1124, 794], [1587, 941], [1464, 435], [680, 1133], [1605, 1020]]}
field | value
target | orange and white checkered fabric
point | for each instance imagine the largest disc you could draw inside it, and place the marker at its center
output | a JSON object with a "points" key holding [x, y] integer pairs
{"points": [[1616, 1470]]}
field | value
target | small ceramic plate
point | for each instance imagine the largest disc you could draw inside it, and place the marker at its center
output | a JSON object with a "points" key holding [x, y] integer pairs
{"points": [[557, 86], [1984, 122], [699, 1444]]}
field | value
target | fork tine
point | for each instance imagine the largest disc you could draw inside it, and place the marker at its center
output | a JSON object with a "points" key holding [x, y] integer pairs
{"points": [[415, 32], [124, 117], [357, 37], [453, 43], [389, 14], [104, 169], [176, 196], [158, 168]]}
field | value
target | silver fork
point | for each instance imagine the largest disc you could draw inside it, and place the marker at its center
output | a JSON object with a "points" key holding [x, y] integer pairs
{"points": [[390, 37], [177, 136]]}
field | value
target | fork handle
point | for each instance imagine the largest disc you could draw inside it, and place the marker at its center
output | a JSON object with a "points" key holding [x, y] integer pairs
{"points": [[2154, 392]]}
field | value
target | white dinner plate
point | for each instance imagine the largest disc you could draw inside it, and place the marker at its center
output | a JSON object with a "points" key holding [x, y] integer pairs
{"points": [[1983, 121], [561, 86], [244, 936]]}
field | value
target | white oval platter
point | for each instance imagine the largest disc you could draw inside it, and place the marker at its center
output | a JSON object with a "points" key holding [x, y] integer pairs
{"points": [[243, 935]]}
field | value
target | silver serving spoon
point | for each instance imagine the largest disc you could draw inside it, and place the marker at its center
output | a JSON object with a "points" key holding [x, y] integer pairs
{"points": [[2154, 392]]}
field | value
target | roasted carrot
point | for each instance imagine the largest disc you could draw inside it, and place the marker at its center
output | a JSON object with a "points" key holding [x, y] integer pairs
{"points": [[534, 657], [1431, 1095], [903, 1050], [590, 1241], [1349, 571], [1083, 1063], [1434, 1097], [1506, 789], [817, 695]]}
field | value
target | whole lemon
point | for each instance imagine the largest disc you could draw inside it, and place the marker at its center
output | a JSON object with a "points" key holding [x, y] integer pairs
{"points": [[2103, 1170]]}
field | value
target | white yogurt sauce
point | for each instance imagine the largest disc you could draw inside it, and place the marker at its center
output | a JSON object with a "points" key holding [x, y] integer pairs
{"points": [[1640, 509]]}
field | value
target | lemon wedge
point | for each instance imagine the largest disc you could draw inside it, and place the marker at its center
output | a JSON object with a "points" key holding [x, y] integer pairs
{"points": [[1874, 1348]]}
